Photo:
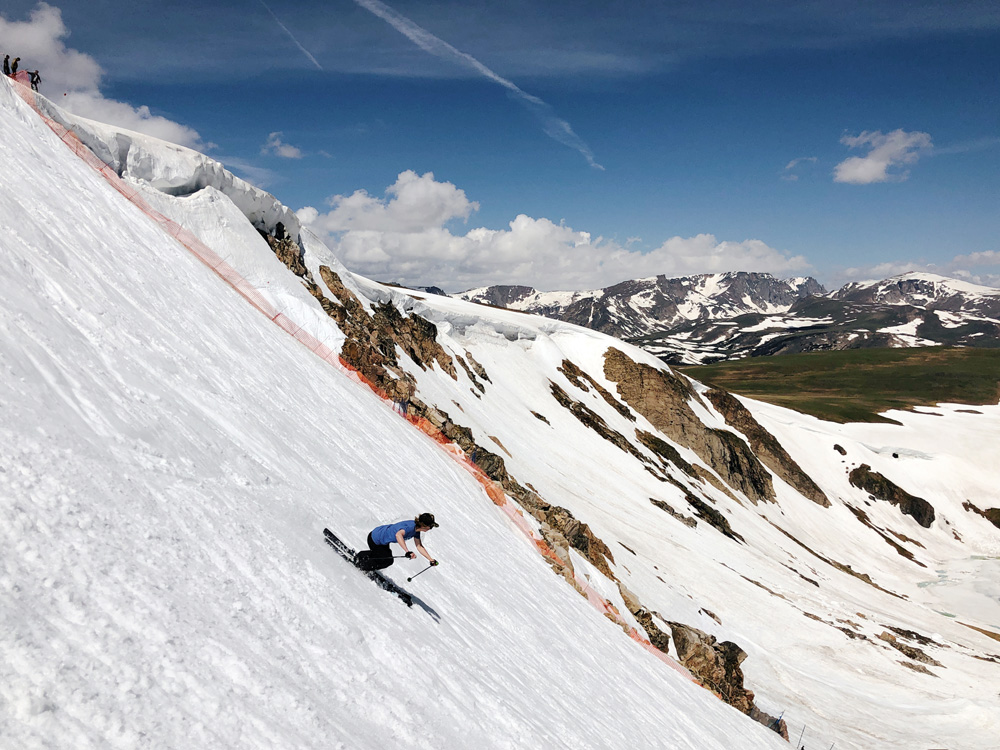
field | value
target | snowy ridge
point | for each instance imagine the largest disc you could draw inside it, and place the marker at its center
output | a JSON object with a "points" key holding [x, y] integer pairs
{"points": [[703, 319], [156, 422], [171, 169], [641, 307], [931, 286]]}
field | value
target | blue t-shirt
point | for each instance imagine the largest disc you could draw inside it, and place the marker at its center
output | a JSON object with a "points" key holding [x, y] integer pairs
{"points": [[387, 534]]}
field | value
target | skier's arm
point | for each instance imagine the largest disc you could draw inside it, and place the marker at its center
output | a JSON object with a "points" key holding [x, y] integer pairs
{"points": [[401, 541], [423, 550]]}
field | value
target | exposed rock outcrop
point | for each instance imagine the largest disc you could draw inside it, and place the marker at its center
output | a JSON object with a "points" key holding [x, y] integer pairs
{"points": [[372, 339], [656, 636], [665, 451], [663, 399], [910, 651], [686, 520], [876, 484], [716, 665], [290, 253], [765, 445], [990, 514], [579, 378], [594, 421], [713, 518]]}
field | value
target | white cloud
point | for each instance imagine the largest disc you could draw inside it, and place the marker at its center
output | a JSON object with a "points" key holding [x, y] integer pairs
{"points": [[888, 269], [291, 36], [983, 279], [984, 258], [404, 238], [39, 42], [277, 147], [788, 174], [555, 127], [416, 203], [886, 151], [307, 215], [986, 263], [92, 105]]}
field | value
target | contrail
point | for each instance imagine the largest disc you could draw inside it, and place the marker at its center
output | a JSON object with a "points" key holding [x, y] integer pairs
{"points": [[294, 40], [555, 127]]}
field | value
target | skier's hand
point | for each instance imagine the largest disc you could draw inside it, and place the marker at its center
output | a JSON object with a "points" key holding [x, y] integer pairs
{"points": [[434, 562], [411, 555]]}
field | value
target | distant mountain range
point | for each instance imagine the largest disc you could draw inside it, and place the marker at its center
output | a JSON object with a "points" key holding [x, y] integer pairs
{"points": [[713, 317]]}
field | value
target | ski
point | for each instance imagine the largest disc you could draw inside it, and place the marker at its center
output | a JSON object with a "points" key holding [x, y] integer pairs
{"points": [[380, 580]]}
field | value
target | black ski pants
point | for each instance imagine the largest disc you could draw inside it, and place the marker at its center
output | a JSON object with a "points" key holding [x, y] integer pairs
{"points": [[376, 557]]}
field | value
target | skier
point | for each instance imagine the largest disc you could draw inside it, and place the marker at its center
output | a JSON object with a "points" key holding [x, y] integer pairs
{"points": [[6, 65], [378, 555]]}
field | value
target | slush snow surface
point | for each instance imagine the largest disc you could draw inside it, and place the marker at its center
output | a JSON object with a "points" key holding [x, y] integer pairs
{"points": [[169, 458]]}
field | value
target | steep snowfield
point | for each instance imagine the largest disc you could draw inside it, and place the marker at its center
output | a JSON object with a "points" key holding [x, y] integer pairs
{"points": [[168, 459]]}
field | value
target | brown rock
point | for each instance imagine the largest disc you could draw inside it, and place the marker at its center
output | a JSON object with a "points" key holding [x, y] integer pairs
{"points": [[765, 445], [714, 664], [663, 399], [871, 481]]}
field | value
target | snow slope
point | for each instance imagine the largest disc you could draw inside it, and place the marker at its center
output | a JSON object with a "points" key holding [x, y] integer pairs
{"points": [[168, 459], [184, 454]]}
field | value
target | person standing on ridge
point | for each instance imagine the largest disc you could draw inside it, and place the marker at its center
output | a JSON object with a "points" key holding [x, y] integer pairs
{"points": [[13, 66], [6, 65], [378, 555], [35, 79]]}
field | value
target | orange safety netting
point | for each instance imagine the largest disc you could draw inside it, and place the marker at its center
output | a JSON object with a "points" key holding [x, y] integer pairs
{"points": [[251, 294]]}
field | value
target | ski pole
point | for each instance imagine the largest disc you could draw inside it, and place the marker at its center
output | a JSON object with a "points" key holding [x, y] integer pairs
{"points": [[422, 571]]}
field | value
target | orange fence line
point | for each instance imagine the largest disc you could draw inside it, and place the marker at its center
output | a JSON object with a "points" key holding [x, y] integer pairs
{"points": [[251, 294]]}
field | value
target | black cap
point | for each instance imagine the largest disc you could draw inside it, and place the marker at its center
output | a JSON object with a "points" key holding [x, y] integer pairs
{"points": [[427, 519]]}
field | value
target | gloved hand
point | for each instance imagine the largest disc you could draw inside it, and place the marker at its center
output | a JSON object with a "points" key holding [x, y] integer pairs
{"points": [[410, 555], [434, 562]]}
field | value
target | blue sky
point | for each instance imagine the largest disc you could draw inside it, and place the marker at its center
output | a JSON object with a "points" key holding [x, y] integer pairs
{"points": [[571, 144]]}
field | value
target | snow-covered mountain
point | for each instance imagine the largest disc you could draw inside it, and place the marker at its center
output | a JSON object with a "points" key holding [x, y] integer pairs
{"points": [[701, 319], [188, 399], [924, 290], [642, 306], [914, 309]]}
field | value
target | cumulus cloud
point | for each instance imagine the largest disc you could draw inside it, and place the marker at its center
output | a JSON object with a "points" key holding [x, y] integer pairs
{"points": [[984, 258], [40, 43], [887, 151], [416, 203], [404, 237], [277, 147]]}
